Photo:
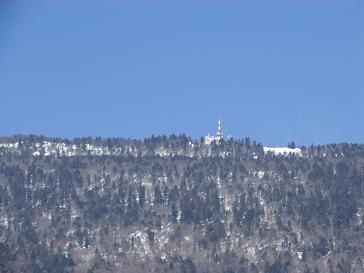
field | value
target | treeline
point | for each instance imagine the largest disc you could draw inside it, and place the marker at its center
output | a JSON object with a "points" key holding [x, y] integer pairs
{"points": [[237, 210]]}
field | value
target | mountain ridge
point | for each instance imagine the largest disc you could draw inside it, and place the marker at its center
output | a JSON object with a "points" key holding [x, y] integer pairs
{"points": [[174, 204]]}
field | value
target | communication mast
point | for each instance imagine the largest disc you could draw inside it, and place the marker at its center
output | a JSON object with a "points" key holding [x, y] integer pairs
{"points": [[218, 137]]}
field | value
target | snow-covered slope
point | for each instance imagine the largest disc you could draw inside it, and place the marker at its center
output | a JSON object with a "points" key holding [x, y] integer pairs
{"points": [[283, 151]]}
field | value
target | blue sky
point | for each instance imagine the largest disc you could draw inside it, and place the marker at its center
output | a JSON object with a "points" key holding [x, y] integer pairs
{"points": [[275, 71]]}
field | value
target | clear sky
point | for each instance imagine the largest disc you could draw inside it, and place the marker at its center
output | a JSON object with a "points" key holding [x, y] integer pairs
{"points": [[275, 71]]}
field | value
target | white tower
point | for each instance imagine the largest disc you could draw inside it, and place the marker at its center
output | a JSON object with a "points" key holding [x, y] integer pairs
{"points": [[219, 133], [217, 138]]}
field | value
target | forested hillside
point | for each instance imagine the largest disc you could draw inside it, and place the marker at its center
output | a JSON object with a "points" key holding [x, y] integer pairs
{"points": [[175, 204]]}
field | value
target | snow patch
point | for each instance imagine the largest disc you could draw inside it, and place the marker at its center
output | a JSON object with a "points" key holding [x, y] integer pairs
{"points": [[260, 174], [282, 151]]}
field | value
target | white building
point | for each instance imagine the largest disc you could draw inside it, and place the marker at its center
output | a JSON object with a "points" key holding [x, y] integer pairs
{"points": [[217, 138]]}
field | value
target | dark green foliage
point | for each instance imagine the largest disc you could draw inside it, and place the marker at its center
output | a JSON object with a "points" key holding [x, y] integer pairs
{"points": [[187, 266], [174, 204]]}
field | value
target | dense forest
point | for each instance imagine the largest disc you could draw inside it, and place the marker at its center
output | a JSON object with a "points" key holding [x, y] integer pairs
{"points": [[175, 204]]}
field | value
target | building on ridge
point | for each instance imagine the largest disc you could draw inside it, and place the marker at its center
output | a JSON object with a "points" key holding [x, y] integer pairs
{"points": [[217, 138]]}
